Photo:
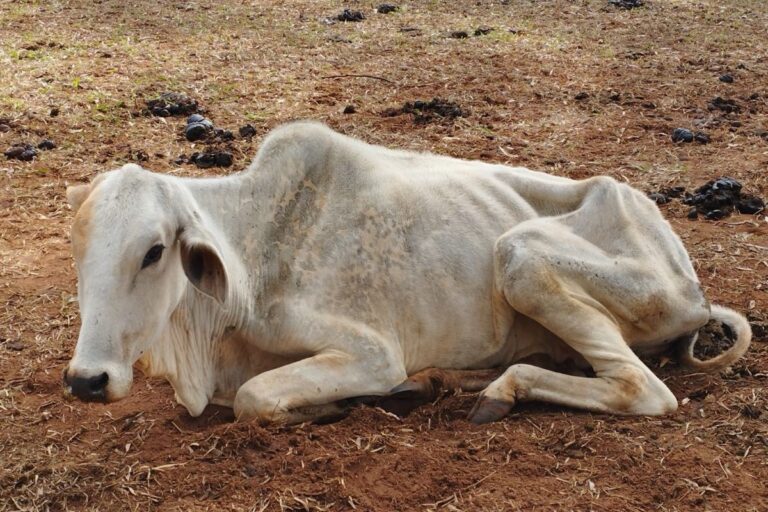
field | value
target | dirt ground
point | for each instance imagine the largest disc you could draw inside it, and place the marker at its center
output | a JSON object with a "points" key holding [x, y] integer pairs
{"points": [[575, 88]]}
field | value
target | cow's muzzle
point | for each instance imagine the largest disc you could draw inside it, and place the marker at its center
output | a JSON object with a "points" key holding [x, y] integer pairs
{"points": [[88, 389]]}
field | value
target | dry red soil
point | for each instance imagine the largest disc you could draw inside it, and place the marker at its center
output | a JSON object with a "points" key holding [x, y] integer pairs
{"points": [[642, 72]]}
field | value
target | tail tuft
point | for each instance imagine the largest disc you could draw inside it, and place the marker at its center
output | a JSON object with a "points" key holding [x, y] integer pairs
{"points": [[742, 335]]}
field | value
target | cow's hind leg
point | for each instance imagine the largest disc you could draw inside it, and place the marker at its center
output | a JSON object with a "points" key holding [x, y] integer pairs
{"points": [[570, 286], [430, 383]]}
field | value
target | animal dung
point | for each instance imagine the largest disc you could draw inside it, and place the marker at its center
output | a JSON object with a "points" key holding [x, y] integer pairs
{"points": [[21, 151], [685, 135], [714, 200], [171, 104]]}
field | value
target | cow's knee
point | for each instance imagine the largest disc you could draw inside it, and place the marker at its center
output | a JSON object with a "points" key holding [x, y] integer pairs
{"points": [[524, 275], [639, 392]]}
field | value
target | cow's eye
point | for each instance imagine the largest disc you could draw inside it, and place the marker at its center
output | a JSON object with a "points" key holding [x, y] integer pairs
{"points": [[153, 255]]}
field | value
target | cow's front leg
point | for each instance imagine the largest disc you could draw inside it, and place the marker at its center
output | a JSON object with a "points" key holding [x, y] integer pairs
{"points": [[356, 362]]}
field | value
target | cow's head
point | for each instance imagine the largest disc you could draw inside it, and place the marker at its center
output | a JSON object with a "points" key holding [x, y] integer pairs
{"points": [[138, 239]]}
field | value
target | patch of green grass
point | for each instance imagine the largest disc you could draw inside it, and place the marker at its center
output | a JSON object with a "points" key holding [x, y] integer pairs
{"points": [[12, 103], [26, 54]]}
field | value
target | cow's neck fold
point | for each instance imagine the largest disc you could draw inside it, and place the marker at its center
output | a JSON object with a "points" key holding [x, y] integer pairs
{"points": [[187, 352]]}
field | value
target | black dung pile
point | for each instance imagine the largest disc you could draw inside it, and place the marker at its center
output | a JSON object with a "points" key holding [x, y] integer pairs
{"points": [[714, 200], [21, 151], [428, 111], [626, 4], [719, 198], [347, 15], [171, 104], [387, 8]]}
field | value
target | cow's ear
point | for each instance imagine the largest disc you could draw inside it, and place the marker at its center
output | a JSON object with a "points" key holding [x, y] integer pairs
{"points": [[77, 194], [203, 265]]}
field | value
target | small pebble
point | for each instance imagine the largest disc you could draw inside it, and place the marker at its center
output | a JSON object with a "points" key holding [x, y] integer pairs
{"points": [[581, 96], [459, 34], [483, 31], [15, 345], [728, 79]]}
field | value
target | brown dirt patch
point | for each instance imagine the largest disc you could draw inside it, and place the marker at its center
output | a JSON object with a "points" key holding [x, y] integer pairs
{"points": [[573, 88]]}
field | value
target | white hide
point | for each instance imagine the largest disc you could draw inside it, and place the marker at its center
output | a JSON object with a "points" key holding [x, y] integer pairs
{"points": [[346, 267]]}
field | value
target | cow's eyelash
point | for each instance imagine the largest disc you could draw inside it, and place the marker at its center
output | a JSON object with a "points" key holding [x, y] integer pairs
{"points": [[153, 255]]}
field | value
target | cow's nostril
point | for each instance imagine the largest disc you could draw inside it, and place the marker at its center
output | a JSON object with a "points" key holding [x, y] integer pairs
{"points": [[88, 388], [98, 383]]}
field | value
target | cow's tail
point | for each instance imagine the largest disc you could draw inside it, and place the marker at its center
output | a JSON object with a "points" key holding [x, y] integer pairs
{"points": [[741, 332]]}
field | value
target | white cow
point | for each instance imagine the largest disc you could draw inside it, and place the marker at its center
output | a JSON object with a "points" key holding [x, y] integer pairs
{"points": [[332, 269]]}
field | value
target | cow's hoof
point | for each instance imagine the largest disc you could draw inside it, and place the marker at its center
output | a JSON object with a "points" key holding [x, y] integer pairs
{"points": [[412, 390], [423, 386], [487, 410]]}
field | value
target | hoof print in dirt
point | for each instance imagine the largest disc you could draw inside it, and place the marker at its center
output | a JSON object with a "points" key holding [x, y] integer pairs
{"points": [[387, 8], [727, 106], [719, 198], [726, 78], [46, 144], [685, 135], [428, 111], [626, 4], [23, 152], [459, 34], [171, 104], [247, 131], [483, 31], [210, 159], [348, 15]]}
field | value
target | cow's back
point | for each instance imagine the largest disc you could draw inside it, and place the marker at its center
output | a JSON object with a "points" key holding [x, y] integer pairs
{"points": [[403, 242]]}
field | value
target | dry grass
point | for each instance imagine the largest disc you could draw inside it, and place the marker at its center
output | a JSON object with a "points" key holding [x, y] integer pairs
{"points": [[645, 72]]}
